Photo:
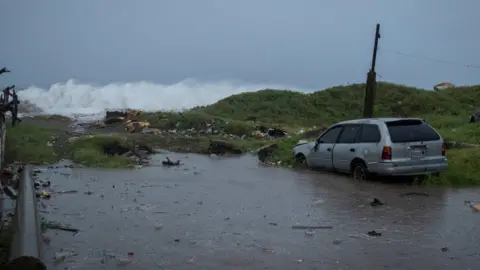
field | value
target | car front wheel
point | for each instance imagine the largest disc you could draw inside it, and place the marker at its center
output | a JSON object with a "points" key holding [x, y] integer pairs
{"points": [[301, 159]]}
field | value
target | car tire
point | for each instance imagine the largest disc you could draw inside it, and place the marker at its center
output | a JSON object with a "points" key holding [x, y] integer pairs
{"points": [[360, 172], [301, 159]]}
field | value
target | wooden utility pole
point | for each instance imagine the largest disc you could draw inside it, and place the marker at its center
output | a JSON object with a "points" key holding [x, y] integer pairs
{"points": [[371, 85]]}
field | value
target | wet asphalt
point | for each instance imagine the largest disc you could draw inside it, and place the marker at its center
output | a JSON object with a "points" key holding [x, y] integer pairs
{"points": [[232, 213]]}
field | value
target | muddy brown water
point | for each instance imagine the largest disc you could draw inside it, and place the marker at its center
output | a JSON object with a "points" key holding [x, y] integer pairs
{"points": [[232, 213]]}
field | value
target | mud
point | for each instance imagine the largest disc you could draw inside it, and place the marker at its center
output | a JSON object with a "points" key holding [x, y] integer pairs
{"points": [[232, 213]]}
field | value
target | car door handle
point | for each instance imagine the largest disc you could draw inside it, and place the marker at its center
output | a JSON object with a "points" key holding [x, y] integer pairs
{"points": [[352, 149], [329, 149]]}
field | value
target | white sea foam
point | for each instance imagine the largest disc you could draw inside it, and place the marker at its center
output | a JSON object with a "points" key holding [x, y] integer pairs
{"points": [[84, 100]]}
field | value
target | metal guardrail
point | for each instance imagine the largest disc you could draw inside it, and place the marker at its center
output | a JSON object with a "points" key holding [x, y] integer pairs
{"points": [[26, 252]]}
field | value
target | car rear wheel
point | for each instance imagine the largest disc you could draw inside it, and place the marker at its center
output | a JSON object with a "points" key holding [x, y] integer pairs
{"points": [[360, 172]]}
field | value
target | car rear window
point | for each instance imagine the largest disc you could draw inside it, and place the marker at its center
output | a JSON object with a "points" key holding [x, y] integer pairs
{"points": [[402, 131]]}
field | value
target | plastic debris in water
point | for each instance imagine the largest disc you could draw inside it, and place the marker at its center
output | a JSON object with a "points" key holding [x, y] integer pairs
{"points": [[123, 261], [473, 206], [309, 232], [317, 202], [374, 233], [60, 256]]}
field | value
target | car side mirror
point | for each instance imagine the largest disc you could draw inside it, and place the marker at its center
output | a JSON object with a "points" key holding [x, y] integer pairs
{"points": [[315, 147]]}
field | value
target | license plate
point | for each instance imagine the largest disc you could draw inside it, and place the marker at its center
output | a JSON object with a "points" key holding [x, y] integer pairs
{"points": [[417, 153]]}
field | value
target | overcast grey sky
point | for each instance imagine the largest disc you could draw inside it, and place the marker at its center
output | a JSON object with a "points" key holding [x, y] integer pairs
{"points": [[305, 43]]}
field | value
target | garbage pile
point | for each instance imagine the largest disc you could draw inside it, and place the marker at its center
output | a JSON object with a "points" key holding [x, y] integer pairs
{"points": [[138, 152], [269, 133], [112, 117], [217, 127]]}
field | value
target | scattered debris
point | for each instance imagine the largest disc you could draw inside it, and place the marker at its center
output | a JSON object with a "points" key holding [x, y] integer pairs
{"points": [[474, 206], [376, 202], [310, 232], [136, 126], [374, 233], [137, 151], [302, 227], [168, 162], [38, 170], [317, 202], [123, 261], [112, 117], [37, 184], [65, 192], [57, 226], [60, 256], [408, 194], [272, 132], [43, 195]]}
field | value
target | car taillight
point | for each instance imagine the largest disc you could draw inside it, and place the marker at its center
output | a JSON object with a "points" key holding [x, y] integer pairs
{"points": [[444, 149], [387, 153]]}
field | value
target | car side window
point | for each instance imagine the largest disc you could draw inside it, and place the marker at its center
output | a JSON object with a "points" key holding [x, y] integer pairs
{"points": [[349, 134], [330, 136], [369, 134]]}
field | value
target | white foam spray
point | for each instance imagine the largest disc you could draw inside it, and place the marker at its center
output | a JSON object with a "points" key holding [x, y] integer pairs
{"points": [[84, 100]]}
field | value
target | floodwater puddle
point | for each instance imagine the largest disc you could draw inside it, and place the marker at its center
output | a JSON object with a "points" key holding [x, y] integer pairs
{"points": [[232, 213]]}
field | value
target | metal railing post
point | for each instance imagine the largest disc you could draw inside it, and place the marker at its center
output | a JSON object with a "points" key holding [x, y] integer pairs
{"points": [[26, 253]]}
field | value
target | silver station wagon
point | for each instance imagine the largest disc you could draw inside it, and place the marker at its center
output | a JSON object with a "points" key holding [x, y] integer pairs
{"points": [[379, 146]]}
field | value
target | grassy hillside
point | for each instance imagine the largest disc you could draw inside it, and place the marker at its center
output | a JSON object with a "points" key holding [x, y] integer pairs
{"points": [[343, 102]]}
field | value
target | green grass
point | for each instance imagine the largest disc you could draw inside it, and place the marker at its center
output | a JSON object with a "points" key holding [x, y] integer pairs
{"points": [[343, 102], [463, 171], [89, 151], [29, 144]]}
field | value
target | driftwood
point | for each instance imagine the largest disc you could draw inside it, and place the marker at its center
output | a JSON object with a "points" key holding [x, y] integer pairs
{"points": [[303, 227], [168, 162]]}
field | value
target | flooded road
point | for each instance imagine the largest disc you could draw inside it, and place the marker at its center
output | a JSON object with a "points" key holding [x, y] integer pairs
{"points": [[231, 213]]}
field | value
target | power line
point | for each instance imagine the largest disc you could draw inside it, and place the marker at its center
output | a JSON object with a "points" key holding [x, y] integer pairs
{"points": [[429, 59]]}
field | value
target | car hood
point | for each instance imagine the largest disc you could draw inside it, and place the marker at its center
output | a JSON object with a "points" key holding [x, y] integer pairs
{"points": [[301, 142]]}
